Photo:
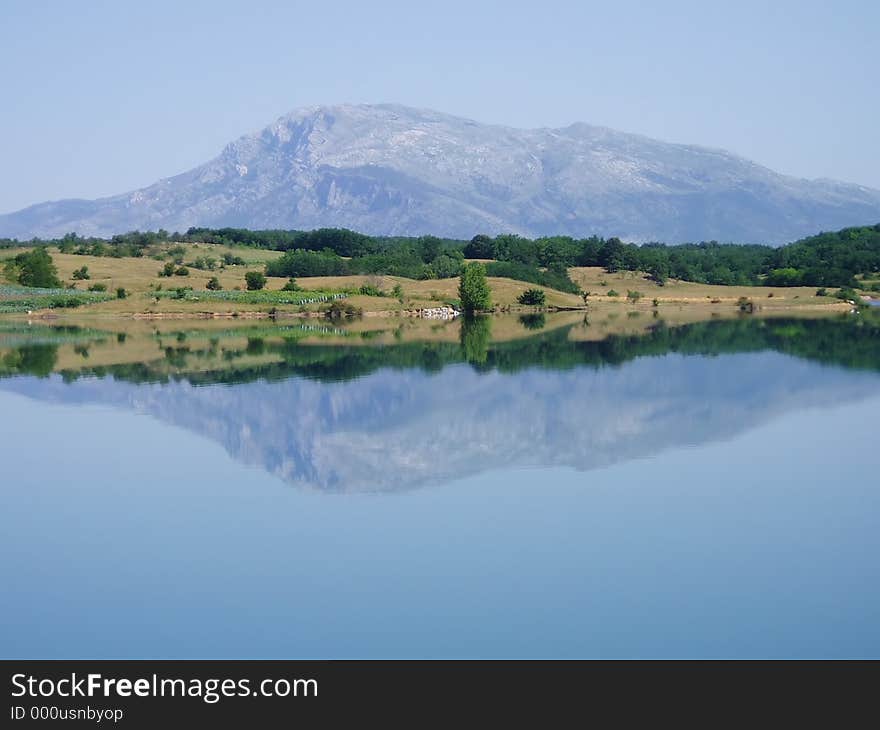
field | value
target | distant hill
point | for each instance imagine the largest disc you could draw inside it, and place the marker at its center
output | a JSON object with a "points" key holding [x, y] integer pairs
{"points": [[393, 170]]}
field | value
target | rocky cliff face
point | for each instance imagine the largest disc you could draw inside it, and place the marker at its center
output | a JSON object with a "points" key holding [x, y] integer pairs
{"points": [[388, 169]]}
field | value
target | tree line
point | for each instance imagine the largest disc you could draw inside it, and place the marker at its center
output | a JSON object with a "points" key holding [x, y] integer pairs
{"points": [[826, 259]]}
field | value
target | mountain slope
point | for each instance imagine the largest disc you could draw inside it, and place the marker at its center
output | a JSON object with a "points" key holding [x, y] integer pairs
{"points": [[388, 169]]}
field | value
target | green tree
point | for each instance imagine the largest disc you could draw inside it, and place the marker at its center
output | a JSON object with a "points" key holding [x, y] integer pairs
{"points": [[480, 247], [254, 280], [473, 289], [611, 255], [36, 268], [633, 296], [82, 273], [659, 272], [213, 284]]}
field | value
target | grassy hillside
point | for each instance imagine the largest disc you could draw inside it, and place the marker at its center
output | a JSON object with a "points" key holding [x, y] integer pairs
{"points": [[150, 292]]}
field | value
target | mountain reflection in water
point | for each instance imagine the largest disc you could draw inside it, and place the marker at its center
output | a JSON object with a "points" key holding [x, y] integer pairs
{"points": [[400, 415]]}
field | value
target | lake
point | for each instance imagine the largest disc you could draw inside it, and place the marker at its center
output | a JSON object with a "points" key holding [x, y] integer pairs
{"points": [[263, 490]]}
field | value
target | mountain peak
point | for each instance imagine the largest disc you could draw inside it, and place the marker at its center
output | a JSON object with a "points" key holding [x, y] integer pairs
{"points": [[397, 170]]}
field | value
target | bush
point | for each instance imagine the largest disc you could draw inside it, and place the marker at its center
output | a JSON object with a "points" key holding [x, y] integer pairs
{"points": [[82, 274], [168, 269], [532, 297], [291, 285], [821, 292], [182, 271], [64, 303], [612, 293], [230, 260], [98, 287], [633, 296], [121, 293], [338, 309], [213, 284], [254, 280], [204, 263]]}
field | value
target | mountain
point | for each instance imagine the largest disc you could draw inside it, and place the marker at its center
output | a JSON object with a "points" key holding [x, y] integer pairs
{"points": [[388, 169]]}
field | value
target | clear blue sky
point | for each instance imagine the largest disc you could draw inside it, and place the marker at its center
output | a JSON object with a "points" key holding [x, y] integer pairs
{"points": [[103, 97]]}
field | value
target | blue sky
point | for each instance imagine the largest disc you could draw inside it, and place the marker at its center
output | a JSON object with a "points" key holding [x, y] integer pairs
{"points": [[102, 97]]}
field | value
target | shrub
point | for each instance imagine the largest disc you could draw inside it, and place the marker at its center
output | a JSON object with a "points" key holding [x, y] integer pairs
{"points": [[204, 263], [181, 271], [167, 269], [82, 273], [121, 293], [612, 293], [213, 284], [291, 285], [821, 292], [98, 287], [633, 296], [63, 303], [338, 309], [254, 280], [532, 297]]}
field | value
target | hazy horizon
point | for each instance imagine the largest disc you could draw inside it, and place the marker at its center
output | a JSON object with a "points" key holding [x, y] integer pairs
{"points": [[114, 98]]}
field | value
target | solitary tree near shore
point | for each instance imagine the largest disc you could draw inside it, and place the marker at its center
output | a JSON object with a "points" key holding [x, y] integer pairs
{"points": [[473, 289]]}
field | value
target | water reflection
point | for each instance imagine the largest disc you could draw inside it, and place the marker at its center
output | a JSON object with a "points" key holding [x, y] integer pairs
{"points": [[352, 415]]}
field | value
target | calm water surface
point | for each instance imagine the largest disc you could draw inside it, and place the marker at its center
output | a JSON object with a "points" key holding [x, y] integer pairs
{"points": [[702, 493]]}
